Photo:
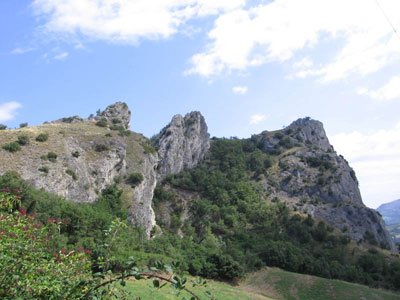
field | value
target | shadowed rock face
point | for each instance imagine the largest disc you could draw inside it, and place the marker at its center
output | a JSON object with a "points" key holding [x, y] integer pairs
{"points": [[182, 144]]}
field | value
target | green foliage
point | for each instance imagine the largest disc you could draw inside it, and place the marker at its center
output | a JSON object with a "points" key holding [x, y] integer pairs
{"points": [[42, 137], [23, 140], [44, 169], [51, 156], [23, 125], [28, 270], [135, 179], [232, 221], [102, 122], [12, 147], [3, 127], [147, 147], [72, 174], [101, 147]]}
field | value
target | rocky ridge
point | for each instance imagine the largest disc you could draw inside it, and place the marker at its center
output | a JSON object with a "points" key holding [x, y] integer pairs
{"points": [[307, 173]]}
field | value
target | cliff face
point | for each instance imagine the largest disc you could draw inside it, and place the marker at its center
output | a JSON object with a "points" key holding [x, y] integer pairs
{"points": [[314, 179], [182, 144]]}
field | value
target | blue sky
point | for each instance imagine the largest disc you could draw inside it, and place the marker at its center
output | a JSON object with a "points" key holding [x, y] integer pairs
{"points": [[248, 66]]}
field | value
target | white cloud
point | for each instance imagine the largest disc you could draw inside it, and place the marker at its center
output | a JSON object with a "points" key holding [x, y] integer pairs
{"points": [[376, 159], [240, 90], [257, 119], [390, 91], [125, 21], [61, 56], [20, 50], [281, 29], [7, 110]]}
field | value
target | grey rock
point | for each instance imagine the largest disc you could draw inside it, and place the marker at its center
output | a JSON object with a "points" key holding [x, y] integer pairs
{"points": [[141, 212], [313, 178], [311, 132], [117, 114], [182, 144]]}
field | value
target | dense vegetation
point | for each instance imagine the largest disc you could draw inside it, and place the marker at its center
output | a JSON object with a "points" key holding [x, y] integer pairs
{"points": [[232, 229], [54, 249]]}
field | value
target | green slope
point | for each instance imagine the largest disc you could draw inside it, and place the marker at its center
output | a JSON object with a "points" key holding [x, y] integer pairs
{"points": [[269, 283], [280, 284], [145, 291]]}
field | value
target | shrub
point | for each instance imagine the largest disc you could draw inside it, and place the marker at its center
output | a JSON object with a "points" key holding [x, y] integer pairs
{"points": [[22, 125], [51, 156], [102, 122], [101, 147], [43, 137], [44, 169], [135, 179], [23, 140], [72, 174], [12, 147], [76, 154], [3, 127]]}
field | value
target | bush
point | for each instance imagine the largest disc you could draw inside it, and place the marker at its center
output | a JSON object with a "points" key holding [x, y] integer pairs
{"points": [[102, 122], [44, 169], [101, 147], [22, 125], [28, 268], [51, 156], [23, 140], [76, 154], [43, 137], [12, 147], [72, 174], [3, 127], [135, 179]]}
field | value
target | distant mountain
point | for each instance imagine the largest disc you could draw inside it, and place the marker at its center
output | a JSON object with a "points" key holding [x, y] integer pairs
{"points": [[391, 215], [390, 212]]}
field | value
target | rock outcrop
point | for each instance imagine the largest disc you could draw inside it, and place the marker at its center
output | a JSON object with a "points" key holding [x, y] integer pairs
{"points": [[313, 178], [117, 114], [141, 211], [182, 144]]}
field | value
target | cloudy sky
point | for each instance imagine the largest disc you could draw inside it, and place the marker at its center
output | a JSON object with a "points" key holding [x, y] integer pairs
{"points": [[247, 65]]}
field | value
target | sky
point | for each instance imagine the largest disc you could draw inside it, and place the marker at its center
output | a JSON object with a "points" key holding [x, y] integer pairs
{"points": [[247, 65]]}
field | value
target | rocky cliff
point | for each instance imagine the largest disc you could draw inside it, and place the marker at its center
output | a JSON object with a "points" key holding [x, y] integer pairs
{"points": [[314, 179], [182, 144]]}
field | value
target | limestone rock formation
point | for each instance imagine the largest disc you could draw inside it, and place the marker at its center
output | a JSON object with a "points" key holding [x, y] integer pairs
{"points": [[182, 144], [313, 178], [116, 114]]}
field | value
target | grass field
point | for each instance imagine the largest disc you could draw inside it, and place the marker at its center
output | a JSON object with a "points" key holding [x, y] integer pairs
{"points": [[280, 284], [271, 283]]}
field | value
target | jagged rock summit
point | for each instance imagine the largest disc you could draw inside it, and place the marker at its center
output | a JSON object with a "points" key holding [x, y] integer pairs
{"points": [[117, 113], [182, 144], [314, 179]]}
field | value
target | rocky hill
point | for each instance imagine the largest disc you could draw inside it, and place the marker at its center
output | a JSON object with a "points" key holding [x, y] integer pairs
{"points": [[77, 158], [390, 212], [391, 215]]}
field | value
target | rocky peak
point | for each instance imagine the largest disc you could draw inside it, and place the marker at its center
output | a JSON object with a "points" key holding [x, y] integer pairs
{"points": [[311, 132], [117, 113], [182, 144]]}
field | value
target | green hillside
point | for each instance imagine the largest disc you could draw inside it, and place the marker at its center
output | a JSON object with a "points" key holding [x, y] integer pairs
{"points": [[269, 283]]}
